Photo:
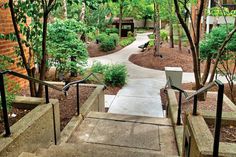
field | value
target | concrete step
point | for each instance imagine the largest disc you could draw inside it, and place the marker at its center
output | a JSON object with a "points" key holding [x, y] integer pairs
{"points": [[130, 118], [95, 150], [134, 132], [26, 154]]}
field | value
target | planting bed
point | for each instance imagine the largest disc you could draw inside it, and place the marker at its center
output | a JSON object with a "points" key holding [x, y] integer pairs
{"points": [[171, 57], [67, 105], [227, 134]]}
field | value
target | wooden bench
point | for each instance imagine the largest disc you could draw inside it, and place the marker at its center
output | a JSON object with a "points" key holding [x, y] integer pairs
{"points": [[144, 46]]}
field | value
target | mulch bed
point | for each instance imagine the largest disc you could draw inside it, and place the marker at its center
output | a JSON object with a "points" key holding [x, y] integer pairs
{"points": [[67, 105], [14, 115], [171, 57], [95, 51], [228, 133]]}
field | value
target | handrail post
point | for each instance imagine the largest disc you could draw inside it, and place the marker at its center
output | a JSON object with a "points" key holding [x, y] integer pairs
{"points": [[46, 94], [218, 118], [78, 102], [195, 105], [4, 107], [179, 109]]}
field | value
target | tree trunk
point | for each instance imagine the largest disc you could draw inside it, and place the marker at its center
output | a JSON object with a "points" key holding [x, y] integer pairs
{"points": [[82, 13], [121, 16], [157, 29], [64, 9], [171, 35], [42, 71], [179, 38], [203, 31]]}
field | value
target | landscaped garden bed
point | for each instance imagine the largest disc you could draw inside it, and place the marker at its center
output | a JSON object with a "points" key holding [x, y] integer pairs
{"points": [[67, 105], [227, 134], [171, 57]]}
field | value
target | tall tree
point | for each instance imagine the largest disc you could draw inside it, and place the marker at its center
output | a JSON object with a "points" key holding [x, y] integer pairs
{"points": [[194, 40], [27, 35], [157, 28]]}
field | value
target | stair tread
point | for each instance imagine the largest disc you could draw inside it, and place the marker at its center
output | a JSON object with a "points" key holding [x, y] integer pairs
{"points": [[130, 118], [96, 150], [26, 154]]}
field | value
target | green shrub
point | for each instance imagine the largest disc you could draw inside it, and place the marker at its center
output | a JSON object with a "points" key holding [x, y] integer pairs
{"points": [[108, 44], [151, 36], [151, 43], [115, 75], [101, 37], [126, 41], [63, 43], [164, 35], [98, 67], [112, 30], [115, 37], [130, 34]]}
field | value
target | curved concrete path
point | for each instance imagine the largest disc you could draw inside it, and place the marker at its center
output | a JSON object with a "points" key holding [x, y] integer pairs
{"points": [[141, 94]]}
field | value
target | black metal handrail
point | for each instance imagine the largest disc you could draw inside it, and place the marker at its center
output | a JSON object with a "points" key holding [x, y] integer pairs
{"points": [[220, 96], [64, 89], [67, 86]]}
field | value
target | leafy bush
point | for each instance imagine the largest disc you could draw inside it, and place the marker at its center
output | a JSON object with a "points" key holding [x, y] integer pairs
{"points": [[115, 37], [108, 44], [63, 44], [164, 35], [130, 34], [126, 41], [151, 36], [98, 67], [112, 30], [101, 37], [115, 75], [11, 87], [212, 42]]}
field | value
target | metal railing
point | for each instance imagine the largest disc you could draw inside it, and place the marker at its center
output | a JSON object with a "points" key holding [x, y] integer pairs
{"points": [[64, 89], [219, 108]]}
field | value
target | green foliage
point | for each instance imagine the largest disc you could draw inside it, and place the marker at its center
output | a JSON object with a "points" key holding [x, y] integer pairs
{"points": [[115, 75], [126, 41], [101, 37], [151, 42], [130, 34], [108, 44], [63, 43], [112, 30], [217, 11], [164, 35], [213, 41], [115, 37], [98, 67], [151, 36], [10, 92]]}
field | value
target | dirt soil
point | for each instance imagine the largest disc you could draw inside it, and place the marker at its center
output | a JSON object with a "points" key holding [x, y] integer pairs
{"points": [[95, 51], [171, 57], [228, 133], [67, 105]]}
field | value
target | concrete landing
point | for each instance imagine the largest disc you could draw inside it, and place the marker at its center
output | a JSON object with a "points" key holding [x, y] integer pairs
{"points": [[116, 135], [129, 132], [139, 97]]}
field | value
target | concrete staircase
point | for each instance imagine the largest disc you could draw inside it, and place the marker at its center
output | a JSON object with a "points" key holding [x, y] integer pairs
{"points": [[115, 135]]}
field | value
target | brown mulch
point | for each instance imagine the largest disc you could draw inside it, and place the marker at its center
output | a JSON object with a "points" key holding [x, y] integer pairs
{"points": [[171, 57], [19, 113], [227, 133], [67, 105], [95, 51]]}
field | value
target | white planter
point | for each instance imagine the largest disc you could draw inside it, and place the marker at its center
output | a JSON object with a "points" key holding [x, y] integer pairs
{"points": [[175, 74]]}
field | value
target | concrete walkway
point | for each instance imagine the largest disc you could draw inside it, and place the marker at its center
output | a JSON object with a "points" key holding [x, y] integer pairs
{"points": [[141, 94]]}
